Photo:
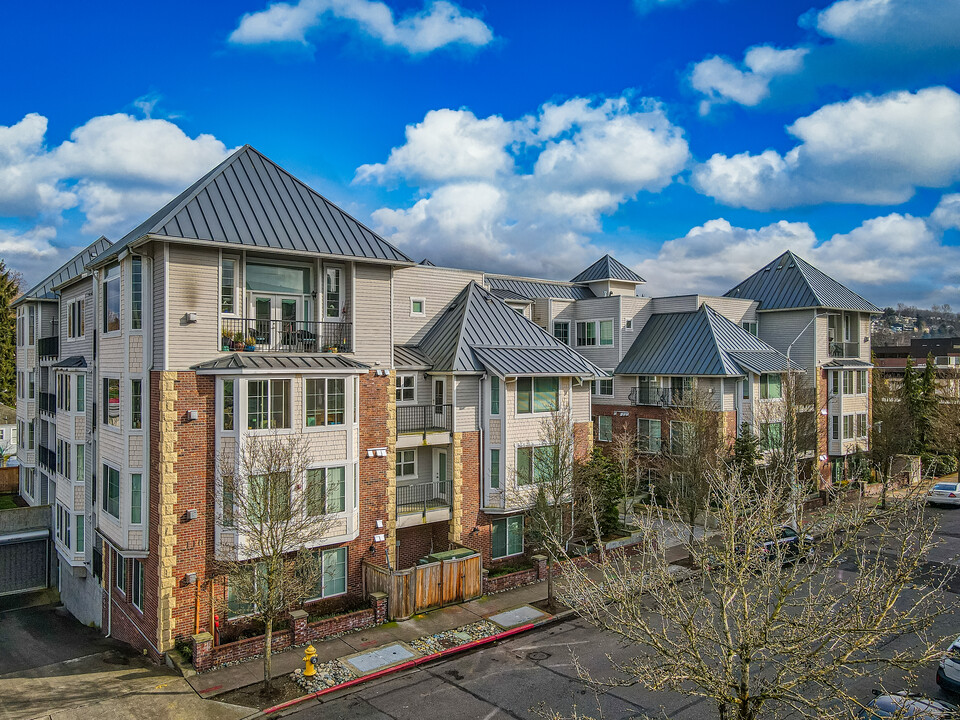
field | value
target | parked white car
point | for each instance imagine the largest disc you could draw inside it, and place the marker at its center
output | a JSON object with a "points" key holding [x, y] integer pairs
{"points": [[944, 493], [948, 674]]}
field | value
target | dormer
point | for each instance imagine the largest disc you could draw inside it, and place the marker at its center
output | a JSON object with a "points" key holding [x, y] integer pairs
{"points": [[608, 276]]}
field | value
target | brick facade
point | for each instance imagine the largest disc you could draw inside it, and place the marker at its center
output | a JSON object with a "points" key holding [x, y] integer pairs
{"points": [[419, 541]]}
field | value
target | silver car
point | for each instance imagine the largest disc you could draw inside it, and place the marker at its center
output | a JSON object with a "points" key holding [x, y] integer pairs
{"points": [[903, 705], [944, 493]]}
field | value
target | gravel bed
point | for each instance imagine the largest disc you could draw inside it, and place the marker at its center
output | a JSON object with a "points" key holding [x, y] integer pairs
{"points": [[430, 644], [328, 674]]}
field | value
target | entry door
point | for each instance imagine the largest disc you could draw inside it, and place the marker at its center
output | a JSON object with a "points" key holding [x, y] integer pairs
{"points": [[439, 398], [440, 473]]}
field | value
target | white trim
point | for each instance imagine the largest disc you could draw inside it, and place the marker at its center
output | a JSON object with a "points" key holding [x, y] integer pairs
{"points": [[423, 307], [416, 463], [415, 383]]}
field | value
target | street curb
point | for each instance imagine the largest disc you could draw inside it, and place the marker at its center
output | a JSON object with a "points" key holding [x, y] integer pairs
{"points": [[559, 617]]}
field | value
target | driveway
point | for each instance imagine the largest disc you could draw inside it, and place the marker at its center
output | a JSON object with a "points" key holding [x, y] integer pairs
{"points": [[53, 667]]}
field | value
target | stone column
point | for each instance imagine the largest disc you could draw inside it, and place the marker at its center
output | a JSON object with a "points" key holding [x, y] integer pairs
{"points": [[167, 481]]}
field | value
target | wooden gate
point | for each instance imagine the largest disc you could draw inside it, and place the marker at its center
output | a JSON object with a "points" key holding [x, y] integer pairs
{"points": [[425, 587]]}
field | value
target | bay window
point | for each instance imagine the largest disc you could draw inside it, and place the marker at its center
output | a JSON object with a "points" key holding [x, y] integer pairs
{"points": [[538, 395], [268, 404], [325, 402]]}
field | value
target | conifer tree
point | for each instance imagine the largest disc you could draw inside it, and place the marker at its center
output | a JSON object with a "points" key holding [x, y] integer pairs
{"points": [[9, 291]]}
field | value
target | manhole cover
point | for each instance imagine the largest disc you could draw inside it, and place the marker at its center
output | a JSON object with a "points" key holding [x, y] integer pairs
{"points": [[537, 656]]}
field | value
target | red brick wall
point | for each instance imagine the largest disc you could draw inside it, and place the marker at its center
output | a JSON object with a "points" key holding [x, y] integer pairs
{"points": [[420, 540]]}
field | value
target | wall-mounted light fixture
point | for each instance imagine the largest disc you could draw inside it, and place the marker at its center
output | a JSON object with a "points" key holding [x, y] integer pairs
{"points": [[193, 415], [376, 452]]}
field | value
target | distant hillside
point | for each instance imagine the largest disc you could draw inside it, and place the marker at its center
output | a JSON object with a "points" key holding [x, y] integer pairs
{"points": [[898, 326]]}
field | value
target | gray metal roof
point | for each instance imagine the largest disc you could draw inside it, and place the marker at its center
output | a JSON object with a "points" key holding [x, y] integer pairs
{"points": [[535, 361], [608, 268], [791, 282], [427, 263], [263, 361], [531, 289], [44, 290], [697, 343], [74, 361], [477, 323], [847, 363], [250, 201], [510, 295], [409, 357]]}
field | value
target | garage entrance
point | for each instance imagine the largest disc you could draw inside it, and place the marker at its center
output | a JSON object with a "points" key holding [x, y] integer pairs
{"points": [[24, 562]]}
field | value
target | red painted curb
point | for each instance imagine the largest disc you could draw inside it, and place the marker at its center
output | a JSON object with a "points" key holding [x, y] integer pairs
{"points": [[402, 666]]}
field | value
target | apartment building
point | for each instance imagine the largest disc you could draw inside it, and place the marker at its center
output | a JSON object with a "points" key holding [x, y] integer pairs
{"points": [[250, 306], [824, 327]]}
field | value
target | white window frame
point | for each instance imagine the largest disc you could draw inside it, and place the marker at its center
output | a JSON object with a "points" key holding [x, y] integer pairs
{"points": [[565, 323], [595, 387], [76, 310], [853, 426], [596, 334], [105, 405], [108, 277], [326, 487], [753, 328], [326, 396], [628, 325], [423, 307], [533, 412], [136, 584], [600, 428], [400, 391], [324, 554], [224, 260], [507, 521], [120, 573], [613, 339], [269, 410], [398, 461]]}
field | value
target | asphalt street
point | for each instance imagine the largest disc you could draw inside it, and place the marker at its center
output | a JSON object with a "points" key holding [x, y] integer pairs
{"points": [[536, 670]]}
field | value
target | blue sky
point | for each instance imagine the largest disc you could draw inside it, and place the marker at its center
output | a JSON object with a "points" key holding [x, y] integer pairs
{"points": [[694, 139]]}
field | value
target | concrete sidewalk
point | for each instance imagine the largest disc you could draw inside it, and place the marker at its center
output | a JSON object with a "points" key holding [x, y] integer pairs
{"points": [[232, 677]]}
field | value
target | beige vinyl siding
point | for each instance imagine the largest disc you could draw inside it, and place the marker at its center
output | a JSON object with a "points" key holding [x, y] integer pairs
{"points": [[677, 303], [735, 310], [468, 401], [622, 386], [637, 310], [865, 347], [730, 387], [541, 313], [82, 345], [371, 313], [159, 316], [194, 286], [580, 403], [437, 287], [597, 309], [780, 328]]}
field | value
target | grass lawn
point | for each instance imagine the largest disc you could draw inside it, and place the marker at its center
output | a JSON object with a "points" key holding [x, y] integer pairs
{"points": [[6, 502]]}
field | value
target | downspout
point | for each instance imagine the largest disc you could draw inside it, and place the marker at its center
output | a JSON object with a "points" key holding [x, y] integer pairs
{"points": [[108, 574], [481, 419]]}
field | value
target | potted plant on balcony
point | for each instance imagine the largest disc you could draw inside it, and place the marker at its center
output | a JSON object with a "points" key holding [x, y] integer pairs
{"points": [[226, 340], [238, 341], [251, 343]]}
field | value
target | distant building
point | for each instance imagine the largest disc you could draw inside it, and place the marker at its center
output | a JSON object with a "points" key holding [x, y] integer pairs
{"points": [[892, 359], [8, 433]]}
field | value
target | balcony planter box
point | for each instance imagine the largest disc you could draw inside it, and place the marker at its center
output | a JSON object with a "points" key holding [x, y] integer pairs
{"points": [[249, 348]]}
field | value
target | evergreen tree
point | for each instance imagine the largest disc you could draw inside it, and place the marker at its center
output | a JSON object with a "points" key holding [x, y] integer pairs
{"points": [[928, 402], [9, 291], [746, 451], [912, 396]]}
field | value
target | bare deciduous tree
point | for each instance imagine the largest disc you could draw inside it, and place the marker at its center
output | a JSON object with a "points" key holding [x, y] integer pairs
{"points": [[757, 631], [623, 452], [278, 511], [549, 522], [892, 431]]}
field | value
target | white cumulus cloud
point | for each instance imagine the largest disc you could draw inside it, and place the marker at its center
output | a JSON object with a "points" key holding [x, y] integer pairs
{"points": [[896, 23], [947, 213], [721, 81], [438, 24], [871, 150], [525, 195]]}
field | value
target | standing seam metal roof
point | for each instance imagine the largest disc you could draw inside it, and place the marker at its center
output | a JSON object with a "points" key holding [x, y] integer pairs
{"points": [[44, 290], [532, 289], [477, 319], [262, 361], [608, 268], [701, 342], [250, 201], [791, 282]]}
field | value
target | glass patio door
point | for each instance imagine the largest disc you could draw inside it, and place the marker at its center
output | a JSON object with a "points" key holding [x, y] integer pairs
{"points": [[279, 322]]}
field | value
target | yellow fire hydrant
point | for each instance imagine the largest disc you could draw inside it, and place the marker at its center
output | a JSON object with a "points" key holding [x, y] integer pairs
{"points": [[309, 660]]}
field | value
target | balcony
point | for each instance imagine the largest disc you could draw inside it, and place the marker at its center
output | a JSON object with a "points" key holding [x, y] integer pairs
{"points": [[48, 347], [285, 336], [662, 397], [844, 350], [429, 422], [48, 403], [47, 458], [423, 502]]}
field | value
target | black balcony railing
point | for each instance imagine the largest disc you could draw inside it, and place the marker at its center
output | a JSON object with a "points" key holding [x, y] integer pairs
{"points": [[424, 418], [844, 349], [660, 396], [421, 497], [48, 347], [47, 458], [48, 403], [289, 336]]}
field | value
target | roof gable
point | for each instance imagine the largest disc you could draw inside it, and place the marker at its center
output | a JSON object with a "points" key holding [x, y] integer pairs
{"points": [[608, 268], [479, 332], [702, 342], [250, 201], [44, 290], [791, 282]]}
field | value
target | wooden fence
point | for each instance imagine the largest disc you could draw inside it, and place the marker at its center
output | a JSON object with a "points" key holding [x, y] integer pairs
{"points": [[425, 587]]}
